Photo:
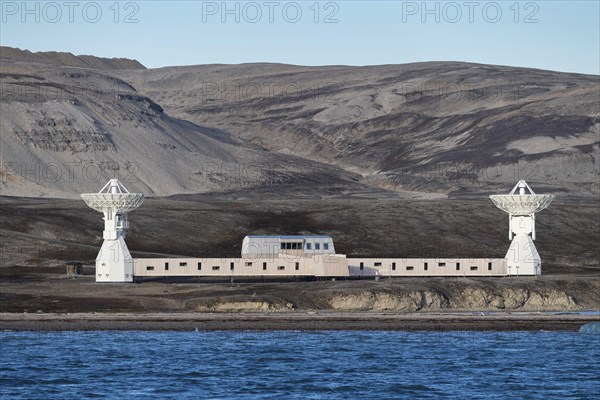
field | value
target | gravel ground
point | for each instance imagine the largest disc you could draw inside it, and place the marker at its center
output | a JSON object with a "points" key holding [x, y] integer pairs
{"points": [[297, 321]]}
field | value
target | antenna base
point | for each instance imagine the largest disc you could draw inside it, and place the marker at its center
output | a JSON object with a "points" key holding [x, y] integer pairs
{"points": [[114, 262], [522, 257]]}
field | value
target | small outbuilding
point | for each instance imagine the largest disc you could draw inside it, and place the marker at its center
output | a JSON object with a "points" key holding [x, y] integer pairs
{"points": [[74, 268]]}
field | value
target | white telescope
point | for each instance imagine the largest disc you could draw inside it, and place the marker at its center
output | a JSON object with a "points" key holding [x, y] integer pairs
{"points": [[522, 257], [114, 262]]}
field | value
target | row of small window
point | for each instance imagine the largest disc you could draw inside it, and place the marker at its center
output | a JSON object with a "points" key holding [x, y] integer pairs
{"points": [[298, 246], [426, 266], [231, 266]]}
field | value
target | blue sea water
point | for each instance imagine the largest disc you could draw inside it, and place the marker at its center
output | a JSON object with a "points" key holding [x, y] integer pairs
{"points": [[299, 365]]}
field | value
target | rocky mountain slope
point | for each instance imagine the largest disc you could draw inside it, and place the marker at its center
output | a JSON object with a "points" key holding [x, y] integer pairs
{"points": [[439, 128], [447, 127], [67, 59], [66, 130]]}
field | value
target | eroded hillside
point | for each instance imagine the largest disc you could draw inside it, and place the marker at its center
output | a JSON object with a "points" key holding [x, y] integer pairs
{"points": [[452, 128], [66, 130]]}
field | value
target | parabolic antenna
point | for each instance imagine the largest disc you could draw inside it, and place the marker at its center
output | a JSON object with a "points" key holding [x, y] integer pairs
{"points": [[522, 203], [113, 197]]}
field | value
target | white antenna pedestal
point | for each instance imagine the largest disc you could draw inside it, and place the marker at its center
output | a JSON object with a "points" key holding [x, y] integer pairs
{"points": [[114, 262], [522, 257]]}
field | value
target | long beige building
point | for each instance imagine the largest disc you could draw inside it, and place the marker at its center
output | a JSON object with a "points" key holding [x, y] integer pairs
{"points": [[311, 256]]}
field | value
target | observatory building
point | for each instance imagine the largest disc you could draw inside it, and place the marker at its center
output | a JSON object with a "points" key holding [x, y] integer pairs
{"points": [[312, 255]]}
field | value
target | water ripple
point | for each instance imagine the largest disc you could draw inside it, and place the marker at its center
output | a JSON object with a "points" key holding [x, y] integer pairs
{"points": [[299, 365]]}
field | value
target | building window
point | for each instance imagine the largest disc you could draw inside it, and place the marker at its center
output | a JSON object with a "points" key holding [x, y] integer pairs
{"points": [[288, 246], [183, 264], [474, 268], [216, 268], [441, 264], [317, 246], [377, 264], [248, 263], [308, 246], [393, 266], [425, 266], [231, 265], [297, 266], [166, 266], [280, 268], [199, 266], [264, 266], [325, 246], [410, 268], [362, 266], [489, 266], [149, 268], [458, 266], [282, 246]]}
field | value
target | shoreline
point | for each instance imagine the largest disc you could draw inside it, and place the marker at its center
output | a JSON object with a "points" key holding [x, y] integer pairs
{"points": [[305, 320]]}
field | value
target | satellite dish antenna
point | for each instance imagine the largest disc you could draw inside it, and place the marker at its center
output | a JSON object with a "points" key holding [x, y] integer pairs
{"points": [[114, 262], [522, 257]]}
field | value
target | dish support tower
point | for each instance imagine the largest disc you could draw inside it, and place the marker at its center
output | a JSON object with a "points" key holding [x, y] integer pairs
{"points": [[522, 257], [114, 262]]}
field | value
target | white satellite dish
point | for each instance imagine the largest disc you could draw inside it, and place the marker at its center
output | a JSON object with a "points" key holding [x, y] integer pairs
{"points": [[522, 257], [114, 262]]}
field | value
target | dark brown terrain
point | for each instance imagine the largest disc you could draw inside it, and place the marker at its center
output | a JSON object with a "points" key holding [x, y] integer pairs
{"points": [[48, 231], [39, 235]]}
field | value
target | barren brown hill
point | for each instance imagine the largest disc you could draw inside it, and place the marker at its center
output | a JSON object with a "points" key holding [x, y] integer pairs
{"points": [[66, 130], [67, 59], [447, 127], [443, 128]]}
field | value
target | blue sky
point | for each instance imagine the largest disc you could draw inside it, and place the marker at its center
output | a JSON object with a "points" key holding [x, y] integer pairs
{"points": [[555, 35]]}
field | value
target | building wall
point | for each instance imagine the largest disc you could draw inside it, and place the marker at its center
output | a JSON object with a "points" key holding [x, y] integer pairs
{"points": [[319, 266], [427, 267], [327, 266]]}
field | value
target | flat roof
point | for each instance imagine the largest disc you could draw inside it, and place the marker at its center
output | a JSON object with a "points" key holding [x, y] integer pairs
{"points": [[288, 236]]}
